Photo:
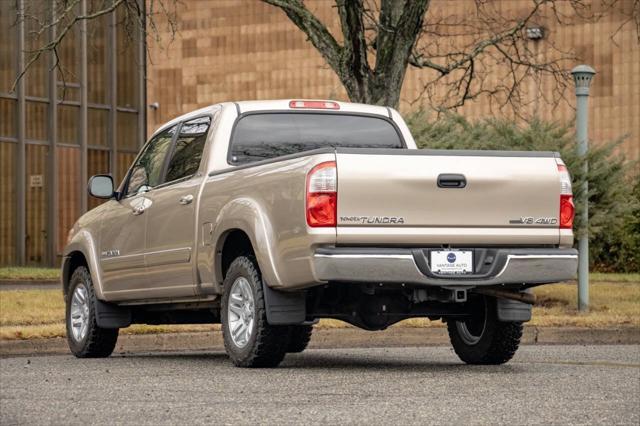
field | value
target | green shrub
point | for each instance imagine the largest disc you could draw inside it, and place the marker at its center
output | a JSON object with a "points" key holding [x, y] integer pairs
{"points": [[618, 249], [614, 200]]}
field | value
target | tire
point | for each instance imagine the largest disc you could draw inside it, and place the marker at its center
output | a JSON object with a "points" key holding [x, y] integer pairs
{"points": [[299, 338], [88, 340], [482, 339], [249, 340]]}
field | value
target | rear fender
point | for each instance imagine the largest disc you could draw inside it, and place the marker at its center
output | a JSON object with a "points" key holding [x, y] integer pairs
{"points": [[248, 216]]}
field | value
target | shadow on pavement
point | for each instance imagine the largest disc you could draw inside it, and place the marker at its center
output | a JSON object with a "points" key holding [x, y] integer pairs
{"points": [[326, 360]]}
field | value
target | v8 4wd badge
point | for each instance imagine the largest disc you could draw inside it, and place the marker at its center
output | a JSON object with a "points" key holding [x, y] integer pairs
{"points": [[530, 220]]}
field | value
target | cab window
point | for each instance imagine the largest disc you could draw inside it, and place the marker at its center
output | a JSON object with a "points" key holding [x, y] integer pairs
{"points": [[262, 136], [187, 153], [147, 170]]}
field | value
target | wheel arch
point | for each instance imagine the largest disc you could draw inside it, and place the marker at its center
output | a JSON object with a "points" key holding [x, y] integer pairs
{"points": [[238, 223], [231, 244], [82, 251], [70, 263]]}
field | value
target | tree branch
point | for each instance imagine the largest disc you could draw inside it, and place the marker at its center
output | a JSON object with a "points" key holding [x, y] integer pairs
{"points": [[315, 30], [418, 61], [53, 44], [65, 16]]}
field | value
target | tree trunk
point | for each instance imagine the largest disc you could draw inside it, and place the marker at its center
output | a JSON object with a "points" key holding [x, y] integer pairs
{"points": [[399, 26], [385, 92], [403, 21]]}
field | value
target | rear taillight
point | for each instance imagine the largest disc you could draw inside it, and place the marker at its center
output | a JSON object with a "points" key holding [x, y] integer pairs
{"points": [[567, 211], [322, 195], [314, 104], [567, 208]]}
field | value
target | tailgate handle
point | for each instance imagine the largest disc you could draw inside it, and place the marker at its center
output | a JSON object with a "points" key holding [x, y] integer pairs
{"points": [[448, 180]]}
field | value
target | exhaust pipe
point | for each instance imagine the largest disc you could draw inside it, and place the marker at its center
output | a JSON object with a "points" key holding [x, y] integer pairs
{"points": [[528, 298]]}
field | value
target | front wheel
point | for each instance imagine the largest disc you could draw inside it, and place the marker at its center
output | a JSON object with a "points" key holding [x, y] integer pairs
{"points": [[85, 338], [482, 338]]}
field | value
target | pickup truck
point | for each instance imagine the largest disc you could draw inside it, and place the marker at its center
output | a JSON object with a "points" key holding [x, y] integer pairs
{"points": [[266, 216]]}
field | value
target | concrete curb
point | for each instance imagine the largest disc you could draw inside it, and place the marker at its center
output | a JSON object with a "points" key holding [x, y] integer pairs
{"points": [[29, 284], [325, 339]]}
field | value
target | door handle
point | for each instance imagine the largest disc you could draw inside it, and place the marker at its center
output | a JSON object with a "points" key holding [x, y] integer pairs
{"points": [[138, 211], [186, 199], [449, 180]]}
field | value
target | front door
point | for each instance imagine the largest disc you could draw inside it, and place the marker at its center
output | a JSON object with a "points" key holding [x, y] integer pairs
{"points": [[123, 234], [171, 232], [122, 246]]}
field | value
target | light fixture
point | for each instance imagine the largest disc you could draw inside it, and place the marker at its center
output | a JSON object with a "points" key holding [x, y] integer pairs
{"points": [[534, 33]]}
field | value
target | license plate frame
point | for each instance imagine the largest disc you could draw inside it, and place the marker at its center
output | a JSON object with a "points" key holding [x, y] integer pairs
{"points": [[451, 262]]}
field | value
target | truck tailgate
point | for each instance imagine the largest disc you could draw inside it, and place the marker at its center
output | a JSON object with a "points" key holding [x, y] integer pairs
{"points": [[395, 197]]}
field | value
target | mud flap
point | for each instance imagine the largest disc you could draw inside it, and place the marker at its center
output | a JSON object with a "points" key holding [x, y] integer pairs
{"points": [[109, 315], [513, 311], [284, 308]]}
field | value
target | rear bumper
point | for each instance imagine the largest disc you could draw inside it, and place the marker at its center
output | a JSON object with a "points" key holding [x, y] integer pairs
{"points": [[493, 266]]}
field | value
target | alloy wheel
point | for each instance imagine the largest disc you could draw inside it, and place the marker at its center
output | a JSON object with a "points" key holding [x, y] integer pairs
{"points": [[241, 312], [79, 317]]}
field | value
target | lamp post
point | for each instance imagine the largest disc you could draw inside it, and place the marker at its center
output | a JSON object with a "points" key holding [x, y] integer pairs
{"points": [[582, 76]]}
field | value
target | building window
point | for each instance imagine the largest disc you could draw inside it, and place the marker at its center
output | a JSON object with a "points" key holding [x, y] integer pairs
{"points": [[58, 139]]}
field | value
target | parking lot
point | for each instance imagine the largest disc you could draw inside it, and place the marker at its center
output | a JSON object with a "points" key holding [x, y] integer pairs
{"points": [[543, 384]]}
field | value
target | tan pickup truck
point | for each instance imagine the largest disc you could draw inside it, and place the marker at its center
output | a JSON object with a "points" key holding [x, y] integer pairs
{"points": [[266, 216]]}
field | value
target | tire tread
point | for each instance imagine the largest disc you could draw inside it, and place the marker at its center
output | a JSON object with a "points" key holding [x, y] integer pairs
{"points": [[299, 338]]}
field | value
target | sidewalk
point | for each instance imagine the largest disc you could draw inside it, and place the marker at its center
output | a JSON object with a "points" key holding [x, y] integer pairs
{"points": [[327, 338]]}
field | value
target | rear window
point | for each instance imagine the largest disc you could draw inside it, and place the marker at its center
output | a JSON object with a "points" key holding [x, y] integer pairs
{"points": [[262, 136]]}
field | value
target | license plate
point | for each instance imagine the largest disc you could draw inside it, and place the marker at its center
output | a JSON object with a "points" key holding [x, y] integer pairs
{"points": [[452, 262]]}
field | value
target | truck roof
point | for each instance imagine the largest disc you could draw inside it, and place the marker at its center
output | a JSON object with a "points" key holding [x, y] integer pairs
{"points": [[282, 105]]}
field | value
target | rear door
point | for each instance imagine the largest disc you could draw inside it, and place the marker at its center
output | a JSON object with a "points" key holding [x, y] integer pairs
{"points": [[447, 197], [171, 233]]}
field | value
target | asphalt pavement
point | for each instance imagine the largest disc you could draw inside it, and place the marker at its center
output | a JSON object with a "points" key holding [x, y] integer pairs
{"points": [[427, 385]]}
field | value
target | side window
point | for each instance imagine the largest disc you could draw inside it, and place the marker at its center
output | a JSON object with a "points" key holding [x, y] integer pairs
{"points": [[147, 170], [187, 153]]}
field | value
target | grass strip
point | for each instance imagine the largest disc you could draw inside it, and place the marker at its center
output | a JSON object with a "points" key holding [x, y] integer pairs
{"points": [[33, 273], [29, 273]]}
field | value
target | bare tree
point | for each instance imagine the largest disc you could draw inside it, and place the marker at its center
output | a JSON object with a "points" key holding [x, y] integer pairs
{"points": [[485, 52], [52, 21]]}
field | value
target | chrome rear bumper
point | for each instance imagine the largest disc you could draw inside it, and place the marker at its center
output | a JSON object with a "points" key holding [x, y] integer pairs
{"points": [[411, 266]]}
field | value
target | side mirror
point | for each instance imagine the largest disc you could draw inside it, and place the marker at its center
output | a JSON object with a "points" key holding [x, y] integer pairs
{"points": [[101, 186]]}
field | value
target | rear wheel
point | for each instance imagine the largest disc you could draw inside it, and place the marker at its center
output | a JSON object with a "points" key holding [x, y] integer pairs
{"points": [[482, 338], [299, 338], [249, 340], [85, 338]]}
